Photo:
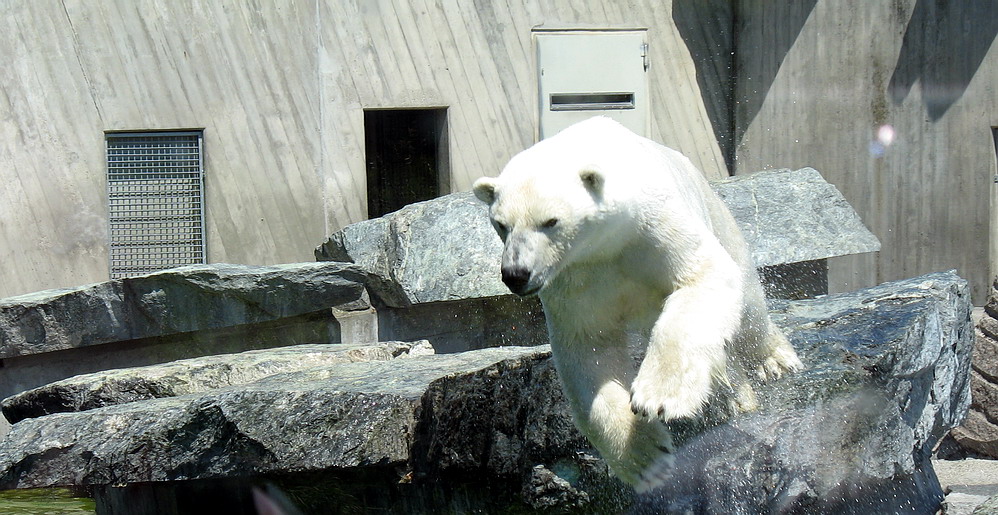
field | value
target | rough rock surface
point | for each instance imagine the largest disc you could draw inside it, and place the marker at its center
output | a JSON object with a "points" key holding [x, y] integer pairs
{"points": [[968, 499], [118, 386], [445, 249], [887, 376], [364, 414], [968, 482], [979, 432], [439, 250], [988, 507], [174, 301], [792, 216]]}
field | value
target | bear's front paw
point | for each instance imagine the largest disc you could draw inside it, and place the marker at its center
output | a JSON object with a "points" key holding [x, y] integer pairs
{"points": [[667, 399]]}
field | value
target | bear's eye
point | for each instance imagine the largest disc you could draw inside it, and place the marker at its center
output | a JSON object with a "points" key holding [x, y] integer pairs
{"points": [[549, 223]]}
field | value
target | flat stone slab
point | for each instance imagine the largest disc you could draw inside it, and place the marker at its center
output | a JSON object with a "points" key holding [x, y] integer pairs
{"points": [[968, 484], [186, 376], [979, 432], [887, 375], [345, 415], [175, 301], [988, 507], [969, 471], [445, 249], [791, 216], [971, 500]]}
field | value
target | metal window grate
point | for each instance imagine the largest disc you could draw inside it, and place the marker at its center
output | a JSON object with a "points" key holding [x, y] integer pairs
{"points": [[155, 189]]}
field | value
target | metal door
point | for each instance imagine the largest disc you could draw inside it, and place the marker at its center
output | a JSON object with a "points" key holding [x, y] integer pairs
{"points": [[588, 73]]}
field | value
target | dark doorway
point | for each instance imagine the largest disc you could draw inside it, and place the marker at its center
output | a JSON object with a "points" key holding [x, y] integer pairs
{"points": [[407, 159]]}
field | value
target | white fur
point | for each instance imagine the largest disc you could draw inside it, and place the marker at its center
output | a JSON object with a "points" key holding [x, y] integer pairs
{"points": [[618, 235]]}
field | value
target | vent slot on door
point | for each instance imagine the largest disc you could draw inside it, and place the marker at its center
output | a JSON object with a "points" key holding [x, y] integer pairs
{"points": [[591, 101]]}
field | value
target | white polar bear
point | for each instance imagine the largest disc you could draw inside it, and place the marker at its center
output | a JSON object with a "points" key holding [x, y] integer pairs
{"points": [[619, 235]]}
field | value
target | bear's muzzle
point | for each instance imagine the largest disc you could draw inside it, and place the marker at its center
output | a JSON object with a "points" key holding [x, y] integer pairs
{"points": [[516, 279]]}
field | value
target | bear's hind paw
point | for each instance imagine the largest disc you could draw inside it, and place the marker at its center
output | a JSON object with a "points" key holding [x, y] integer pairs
{"points": [[657, 473]]}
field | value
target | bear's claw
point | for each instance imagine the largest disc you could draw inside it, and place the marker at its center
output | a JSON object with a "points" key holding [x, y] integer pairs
{"points": [[777, 364], [665, 407]]}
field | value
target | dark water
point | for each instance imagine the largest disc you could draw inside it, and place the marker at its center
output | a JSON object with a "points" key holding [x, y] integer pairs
{"points": [[47, 501]]}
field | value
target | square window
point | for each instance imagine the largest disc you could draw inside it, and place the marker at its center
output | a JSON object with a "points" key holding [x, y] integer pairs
{"points": [[155, 190]]}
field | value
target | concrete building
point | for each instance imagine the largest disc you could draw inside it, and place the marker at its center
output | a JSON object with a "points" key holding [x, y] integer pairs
{"points": [[896, 103], [136, 132]]}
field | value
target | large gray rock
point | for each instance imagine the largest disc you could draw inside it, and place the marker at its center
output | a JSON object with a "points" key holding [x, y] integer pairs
{"points": [[887, 374], [793, 216], [180, 300], [118, 386], [439, 250], [364, 414], [887, 377], [445, 249]]}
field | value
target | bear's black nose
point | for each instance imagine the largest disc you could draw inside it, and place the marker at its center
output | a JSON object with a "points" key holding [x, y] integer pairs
{"points": [[516, 279]]}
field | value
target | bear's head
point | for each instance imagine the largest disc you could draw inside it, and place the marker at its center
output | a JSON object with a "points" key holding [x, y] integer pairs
{"points": [[538, 222], [549, 217], [566, 200]]}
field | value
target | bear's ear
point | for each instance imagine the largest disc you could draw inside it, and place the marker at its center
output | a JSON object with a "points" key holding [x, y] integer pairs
{"points": [[592, 179], [485, 190]]}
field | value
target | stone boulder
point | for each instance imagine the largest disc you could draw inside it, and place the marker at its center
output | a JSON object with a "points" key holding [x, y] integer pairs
{"points": [[180, 300], [490, 411], [988, 507], [434, 251], [186, 376], [174, 314], [979, 432], [887, 375], [794, 216], [445, 249]]}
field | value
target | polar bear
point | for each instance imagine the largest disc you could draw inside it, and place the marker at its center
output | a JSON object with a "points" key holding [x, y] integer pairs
{"points": [[621, 236]]}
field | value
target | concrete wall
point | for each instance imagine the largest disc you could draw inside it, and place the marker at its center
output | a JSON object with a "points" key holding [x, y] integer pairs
{"points": [[815, 80], [279, 89], [478, 59], [243, 72]]}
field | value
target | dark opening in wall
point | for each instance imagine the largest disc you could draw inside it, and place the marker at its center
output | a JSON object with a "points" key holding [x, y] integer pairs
{"points": [[407, 157]]}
